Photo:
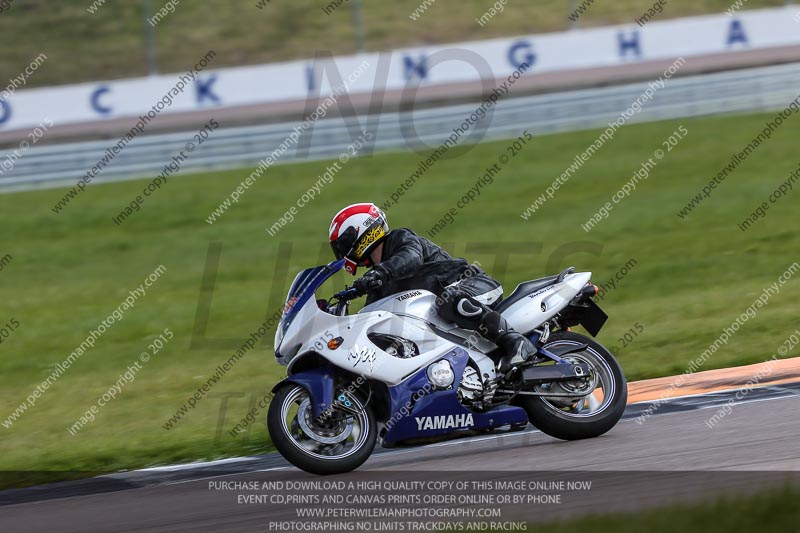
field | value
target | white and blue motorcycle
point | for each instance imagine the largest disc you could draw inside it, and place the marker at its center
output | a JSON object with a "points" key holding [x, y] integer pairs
{"points": [[397, 372]]}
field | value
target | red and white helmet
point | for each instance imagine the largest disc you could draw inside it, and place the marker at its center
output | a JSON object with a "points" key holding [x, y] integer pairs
{"points": [[355, 231]]}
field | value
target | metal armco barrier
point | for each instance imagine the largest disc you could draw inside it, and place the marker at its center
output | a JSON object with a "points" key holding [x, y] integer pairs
{"points": [[747, 90]]}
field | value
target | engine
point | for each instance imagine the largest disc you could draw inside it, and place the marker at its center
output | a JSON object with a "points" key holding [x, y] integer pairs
{"points": [[394, 345], [470, 390]]}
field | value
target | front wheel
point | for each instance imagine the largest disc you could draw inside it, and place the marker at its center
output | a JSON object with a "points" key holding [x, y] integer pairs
{"points": [[339, 441], [599, 399]]}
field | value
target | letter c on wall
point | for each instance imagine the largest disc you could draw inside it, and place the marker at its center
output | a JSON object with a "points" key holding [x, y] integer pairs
{"points": [[95, 100], [5, 111]]}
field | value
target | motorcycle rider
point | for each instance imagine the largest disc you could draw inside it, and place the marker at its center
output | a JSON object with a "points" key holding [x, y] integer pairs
{"points": [[400, 260]]}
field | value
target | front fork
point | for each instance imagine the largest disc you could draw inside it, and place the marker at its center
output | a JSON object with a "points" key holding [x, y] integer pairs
{"points": [[320, 385]]}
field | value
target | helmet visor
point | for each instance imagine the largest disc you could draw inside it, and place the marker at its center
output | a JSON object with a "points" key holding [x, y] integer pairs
{"points": [[343, 245], [336, 253]]}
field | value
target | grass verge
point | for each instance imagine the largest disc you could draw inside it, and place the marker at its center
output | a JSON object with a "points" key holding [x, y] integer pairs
{"points": [[692, 277]]}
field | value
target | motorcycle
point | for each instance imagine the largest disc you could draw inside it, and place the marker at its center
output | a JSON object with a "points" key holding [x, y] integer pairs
{"points": [[397, 372]]}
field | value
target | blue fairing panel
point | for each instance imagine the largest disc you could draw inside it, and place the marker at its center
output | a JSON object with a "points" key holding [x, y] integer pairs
{"points": [[418, 410], [319, 384]]}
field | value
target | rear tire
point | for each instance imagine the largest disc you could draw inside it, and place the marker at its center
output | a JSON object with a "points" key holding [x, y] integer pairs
{"points": [[564, 425], [301, 450]]}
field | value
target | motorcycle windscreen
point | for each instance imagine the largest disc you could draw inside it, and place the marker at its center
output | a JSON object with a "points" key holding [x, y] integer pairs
{"points": [[305, 284]]}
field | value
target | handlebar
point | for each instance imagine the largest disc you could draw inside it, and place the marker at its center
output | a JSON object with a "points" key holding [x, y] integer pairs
{"points": [[347, 294]]}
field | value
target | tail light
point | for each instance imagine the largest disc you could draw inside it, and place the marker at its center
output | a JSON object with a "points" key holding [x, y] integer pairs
{"points": [[589, 291]]}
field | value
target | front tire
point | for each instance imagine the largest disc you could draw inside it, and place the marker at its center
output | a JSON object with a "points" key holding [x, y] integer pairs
{"points": [[341, 443], [595, 414]]}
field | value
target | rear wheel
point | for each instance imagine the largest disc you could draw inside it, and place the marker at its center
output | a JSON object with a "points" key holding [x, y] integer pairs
{"points": [[599, 399], [340, 441]]}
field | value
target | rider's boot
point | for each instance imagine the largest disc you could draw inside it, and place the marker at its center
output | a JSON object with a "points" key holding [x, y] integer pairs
{"points": [[516, 347]]}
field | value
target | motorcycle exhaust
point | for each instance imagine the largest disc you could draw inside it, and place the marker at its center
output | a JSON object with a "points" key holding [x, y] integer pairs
{"points": [[538, 375]]}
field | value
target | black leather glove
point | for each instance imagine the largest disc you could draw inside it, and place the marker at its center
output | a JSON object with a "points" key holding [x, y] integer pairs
{"points": [[371, 280]]}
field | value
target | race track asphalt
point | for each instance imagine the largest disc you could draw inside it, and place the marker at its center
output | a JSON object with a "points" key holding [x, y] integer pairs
{"points": [[672, 456]]}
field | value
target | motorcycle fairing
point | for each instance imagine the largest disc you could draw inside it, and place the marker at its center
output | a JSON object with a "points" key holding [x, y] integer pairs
{"points": [[440, 403], [303, 287]]}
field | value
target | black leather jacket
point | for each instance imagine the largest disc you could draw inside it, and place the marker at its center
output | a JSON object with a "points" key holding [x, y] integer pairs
{"points": [[414, 262]]}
